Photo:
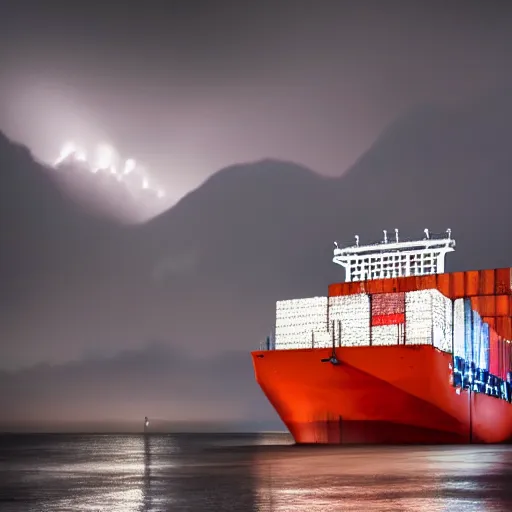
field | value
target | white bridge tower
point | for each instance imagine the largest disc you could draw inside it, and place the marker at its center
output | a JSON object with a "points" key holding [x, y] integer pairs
{"points": [[394, 258]]}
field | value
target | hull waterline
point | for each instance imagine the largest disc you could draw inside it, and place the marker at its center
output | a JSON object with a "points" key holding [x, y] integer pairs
{"points": [[381, 395]]}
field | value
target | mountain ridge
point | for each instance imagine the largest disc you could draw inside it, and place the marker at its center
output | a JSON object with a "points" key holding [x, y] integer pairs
{"points": [[206, 273]]}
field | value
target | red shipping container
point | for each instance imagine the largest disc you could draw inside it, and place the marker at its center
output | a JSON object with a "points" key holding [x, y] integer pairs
{"points": [[487, 280], [502, 281], [494, 354], [388, 309]]}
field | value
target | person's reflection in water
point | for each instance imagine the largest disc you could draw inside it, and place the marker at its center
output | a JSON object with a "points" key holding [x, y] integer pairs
{"points": [[146, 484]]}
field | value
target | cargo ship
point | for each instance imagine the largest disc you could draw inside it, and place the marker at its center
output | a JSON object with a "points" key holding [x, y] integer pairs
{"points": [[399, 353]]}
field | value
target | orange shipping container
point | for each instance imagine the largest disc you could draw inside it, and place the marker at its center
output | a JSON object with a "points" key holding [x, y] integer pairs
{"points": [[454, 285]]}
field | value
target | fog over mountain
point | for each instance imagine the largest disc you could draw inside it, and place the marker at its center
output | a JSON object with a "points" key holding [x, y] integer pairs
{"points": [[88, 296]]}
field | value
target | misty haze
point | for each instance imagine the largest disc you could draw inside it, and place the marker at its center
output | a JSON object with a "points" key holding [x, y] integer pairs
{"points": [[270, 144]]}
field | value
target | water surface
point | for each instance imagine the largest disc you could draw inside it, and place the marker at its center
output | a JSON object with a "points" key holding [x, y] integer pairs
{"points": [[134, 473]]}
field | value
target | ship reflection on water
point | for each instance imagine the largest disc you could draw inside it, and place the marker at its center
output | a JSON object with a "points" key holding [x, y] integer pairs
{"points": [[388, 478], [143, 473]]}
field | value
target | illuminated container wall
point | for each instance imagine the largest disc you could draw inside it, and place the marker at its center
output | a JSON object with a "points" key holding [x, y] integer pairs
{"points": [[482, 322], [352, 313], [321, 339], [388, 309], [428, 321], [387, 335], [482, 357], [416, 318], [483, 361], [388, 318], [508, 359], [443, 321], [472, 336], [418, 310], [505, 358], [490, 295], [476, 335], [301, 323], [468, 331], [480, 342], [459, 343], [501, 373]]}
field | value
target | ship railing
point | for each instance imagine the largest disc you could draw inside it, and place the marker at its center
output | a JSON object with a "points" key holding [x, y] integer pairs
{"points": [[267, 344], [440, 237]]}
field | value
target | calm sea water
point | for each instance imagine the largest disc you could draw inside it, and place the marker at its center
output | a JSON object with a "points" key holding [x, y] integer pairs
{"points": [[125, 473]]}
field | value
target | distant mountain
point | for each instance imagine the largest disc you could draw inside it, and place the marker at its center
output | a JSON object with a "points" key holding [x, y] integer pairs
{"points": [[40, 226], [246, 218], [250, 235], [108, 193], [206, 273], [259, 232], [58, 264]]}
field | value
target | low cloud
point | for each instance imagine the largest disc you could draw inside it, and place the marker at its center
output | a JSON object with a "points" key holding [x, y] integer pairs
{"points": [[167, 384]]}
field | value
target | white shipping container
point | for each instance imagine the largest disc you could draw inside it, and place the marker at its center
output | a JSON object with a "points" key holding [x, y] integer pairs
{"points": [[301, 323], [428, 319], [307, 323], [418, 317], [353, 313], [304, 340], [442, 321], [459, 342], [383, 335]]}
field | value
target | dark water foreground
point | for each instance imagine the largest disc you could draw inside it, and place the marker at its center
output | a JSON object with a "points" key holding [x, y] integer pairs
{"points": [[125, 473]]}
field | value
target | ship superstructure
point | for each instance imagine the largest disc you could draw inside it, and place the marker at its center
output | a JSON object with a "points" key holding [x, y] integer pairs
{"points": [[395, 258], [350, 364]]}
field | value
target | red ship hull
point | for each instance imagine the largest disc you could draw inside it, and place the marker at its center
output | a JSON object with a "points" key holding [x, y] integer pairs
{"points": [[382, 395]]}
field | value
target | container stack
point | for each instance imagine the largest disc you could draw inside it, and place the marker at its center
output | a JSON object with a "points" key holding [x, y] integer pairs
{"points": [[350, 317], [302, 323]]}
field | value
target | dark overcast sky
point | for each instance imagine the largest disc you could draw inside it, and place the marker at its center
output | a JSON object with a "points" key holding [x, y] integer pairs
{"points": [[188, 88], [191, 86]]}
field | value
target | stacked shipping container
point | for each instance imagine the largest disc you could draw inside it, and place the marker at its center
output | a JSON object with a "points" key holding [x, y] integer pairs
{"points": [[482, 357], [423, 317], [349, 317], [301, 323]]}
